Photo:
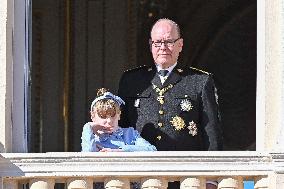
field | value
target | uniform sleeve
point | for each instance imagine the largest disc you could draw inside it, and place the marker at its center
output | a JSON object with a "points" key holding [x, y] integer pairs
{"points": [[210, 117], [88, 139], [140, 144]]}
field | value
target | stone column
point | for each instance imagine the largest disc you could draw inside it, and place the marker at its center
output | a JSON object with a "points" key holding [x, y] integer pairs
{"points": [[154, 183], [261, 183], [193, 183], [117, 183], [6, 24], [42, 183], [274, 76], [77, 183], [10, 184], [229, 183]]}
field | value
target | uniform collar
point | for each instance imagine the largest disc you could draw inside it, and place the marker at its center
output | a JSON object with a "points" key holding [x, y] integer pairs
{"points": [[170, 69], [156, 80], [173, 78]]}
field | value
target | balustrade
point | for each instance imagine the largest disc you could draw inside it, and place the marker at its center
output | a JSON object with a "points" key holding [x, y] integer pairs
{"points": [[152, 170]]}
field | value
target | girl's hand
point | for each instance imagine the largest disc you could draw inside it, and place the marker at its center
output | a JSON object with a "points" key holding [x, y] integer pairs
{"points": [[99, 128]]}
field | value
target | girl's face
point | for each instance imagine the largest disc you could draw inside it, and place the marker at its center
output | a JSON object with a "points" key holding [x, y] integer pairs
{"points": [[106, 121]]}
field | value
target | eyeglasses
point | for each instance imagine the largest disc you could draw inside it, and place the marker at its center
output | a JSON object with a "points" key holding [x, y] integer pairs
{"points": [[168, 43]]}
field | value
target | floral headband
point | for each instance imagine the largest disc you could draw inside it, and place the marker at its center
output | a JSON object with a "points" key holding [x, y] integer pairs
{"points": [[108, 95]]}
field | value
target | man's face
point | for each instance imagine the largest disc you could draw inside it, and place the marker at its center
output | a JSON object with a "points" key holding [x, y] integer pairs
{"points": [[165, 54]]}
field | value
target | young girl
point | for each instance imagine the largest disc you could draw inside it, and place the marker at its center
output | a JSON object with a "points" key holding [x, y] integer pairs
{"points": [[104, 134]]}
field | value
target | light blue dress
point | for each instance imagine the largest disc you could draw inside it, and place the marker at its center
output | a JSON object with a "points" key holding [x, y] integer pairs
{"points": [[127, 139]]}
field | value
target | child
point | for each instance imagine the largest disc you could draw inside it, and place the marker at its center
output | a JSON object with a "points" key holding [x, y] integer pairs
{"points": [[104, 134]]}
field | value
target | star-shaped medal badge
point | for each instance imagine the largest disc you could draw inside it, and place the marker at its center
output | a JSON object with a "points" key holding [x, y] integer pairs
{"points": [[192, 128], [178, 123], [186, 105]]}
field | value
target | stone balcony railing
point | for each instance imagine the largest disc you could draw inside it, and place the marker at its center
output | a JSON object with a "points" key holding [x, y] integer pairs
{"points": [[153, 170]]}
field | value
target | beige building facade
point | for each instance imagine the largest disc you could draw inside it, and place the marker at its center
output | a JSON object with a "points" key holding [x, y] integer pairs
{"points": [[14, 40], [76, 170]]}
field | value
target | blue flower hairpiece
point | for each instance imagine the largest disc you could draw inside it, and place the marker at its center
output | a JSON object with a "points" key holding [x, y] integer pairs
{"points": [[108, 95]]}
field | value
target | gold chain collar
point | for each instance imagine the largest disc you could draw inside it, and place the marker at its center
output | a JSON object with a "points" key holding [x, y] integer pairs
{"points": [[161, 92]]}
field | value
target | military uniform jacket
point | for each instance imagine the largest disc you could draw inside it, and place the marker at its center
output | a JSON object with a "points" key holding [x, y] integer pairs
{"points": [[181, 114]]}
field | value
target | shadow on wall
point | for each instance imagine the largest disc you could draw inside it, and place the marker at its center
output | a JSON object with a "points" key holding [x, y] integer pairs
{"points": [[2, 149], [7, 168]]}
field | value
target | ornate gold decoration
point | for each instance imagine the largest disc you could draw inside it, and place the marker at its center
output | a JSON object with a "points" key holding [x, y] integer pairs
{"points": [[101, 91], [178, 123], [161, 99], [186, 105], [202, 71], [192, 128], [179, 70], [160, 124], [161, 92], [159, 137]]}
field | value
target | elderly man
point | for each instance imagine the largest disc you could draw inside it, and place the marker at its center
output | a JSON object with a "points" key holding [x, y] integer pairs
{"points": [[174, 108]]}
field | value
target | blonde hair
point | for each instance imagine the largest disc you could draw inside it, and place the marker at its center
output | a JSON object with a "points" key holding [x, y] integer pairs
{"points": [[105, 107]]}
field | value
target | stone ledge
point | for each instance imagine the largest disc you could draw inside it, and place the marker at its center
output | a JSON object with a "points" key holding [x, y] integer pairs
{"points": [[136, 164]]}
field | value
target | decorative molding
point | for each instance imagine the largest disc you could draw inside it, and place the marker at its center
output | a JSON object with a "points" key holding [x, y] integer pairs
{"points": [[139, 164]]}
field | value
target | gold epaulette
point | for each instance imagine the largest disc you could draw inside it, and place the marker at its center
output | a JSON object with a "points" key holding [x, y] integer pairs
{"points": [[202, 71], [136, 68]]}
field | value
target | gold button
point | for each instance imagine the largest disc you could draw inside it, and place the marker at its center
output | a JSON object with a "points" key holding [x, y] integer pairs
{"points": [[160, 124], [161, 112], [159, 137], [160, 99]]}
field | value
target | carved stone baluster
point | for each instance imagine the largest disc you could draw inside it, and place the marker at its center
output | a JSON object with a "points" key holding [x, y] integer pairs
{"points": [[154, 183], [193, 183], [77, 183], [42, 183], [240, 182], [261, 183], [117, 183], [10, 184], [228, 183]]}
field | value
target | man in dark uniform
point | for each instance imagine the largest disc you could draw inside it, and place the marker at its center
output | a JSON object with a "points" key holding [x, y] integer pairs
{"points": [[180, 114], [173, 108]]}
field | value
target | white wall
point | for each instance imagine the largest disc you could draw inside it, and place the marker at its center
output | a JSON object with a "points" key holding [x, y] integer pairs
{"points": [[12, 59]]}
